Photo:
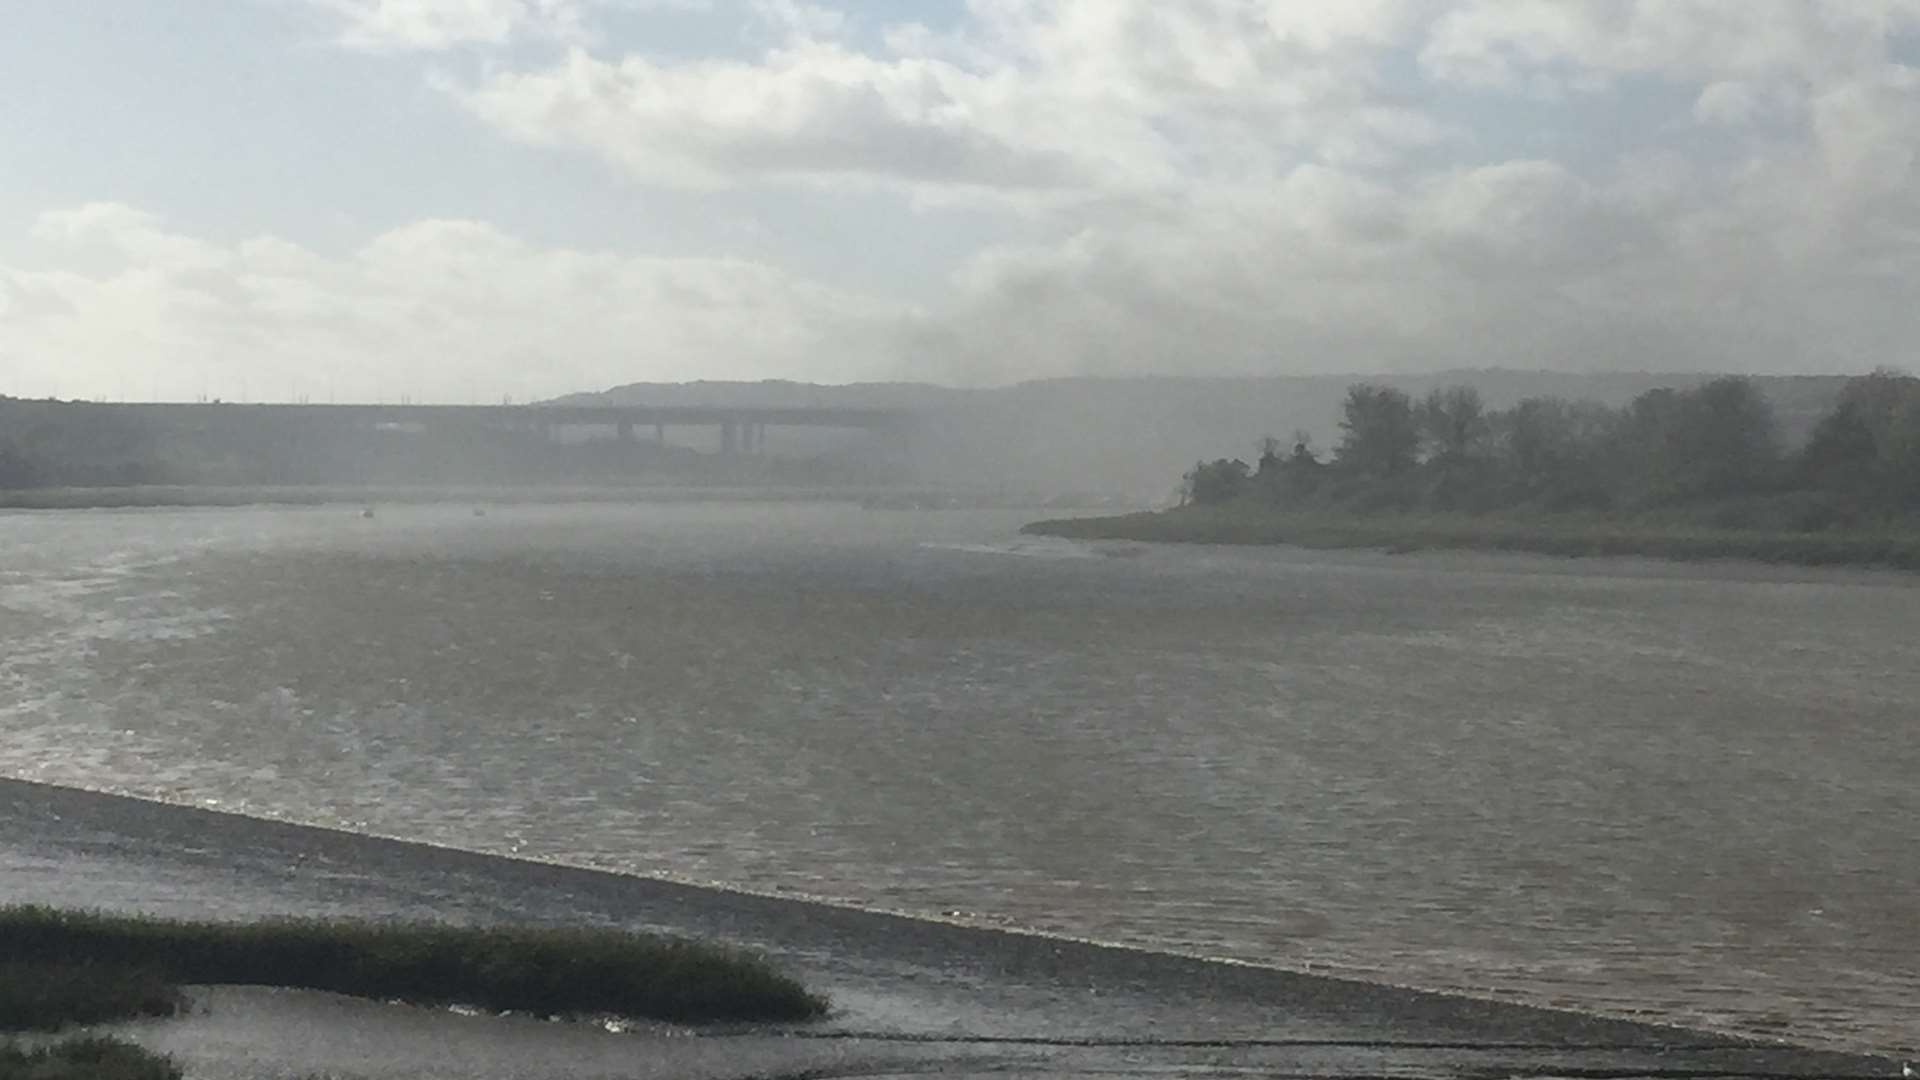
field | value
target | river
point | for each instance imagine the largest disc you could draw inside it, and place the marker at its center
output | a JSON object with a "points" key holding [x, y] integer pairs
{"points": [[1679, 793]]}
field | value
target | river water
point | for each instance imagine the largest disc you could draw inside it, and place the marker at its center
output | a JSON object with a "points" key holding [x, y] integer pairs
{"points": [[1685, 794]]}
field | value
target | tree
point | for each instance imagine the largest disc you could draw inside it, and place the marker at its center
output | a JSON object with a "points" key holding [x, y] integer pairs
{"points": [[1726, 438], [1270, 459], [1870, 444], [1843, 452], [1533, 443], [1292, 477], [1454, 423], [17, 470], [1379, 435], [1553, 450], [1643, 455], [1212, 483], [1716, 440]]}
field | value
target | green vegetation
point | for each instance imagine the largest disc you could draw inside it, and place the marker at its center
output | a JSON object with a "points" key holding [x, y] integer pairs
{"points": [[85, 1059], [547, 972], [1690, 474], [50, 996], [67, 969], [1570, 535]]}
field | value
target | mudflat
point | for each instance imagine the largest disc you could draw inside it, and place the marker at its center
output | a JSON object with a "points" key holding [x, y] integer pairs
{"points": [[910, 995]]}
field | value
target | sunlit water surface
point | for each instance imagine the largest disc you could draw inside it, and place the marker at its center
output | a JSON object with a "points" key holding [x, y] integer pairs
{"points": [[1685, 793]]}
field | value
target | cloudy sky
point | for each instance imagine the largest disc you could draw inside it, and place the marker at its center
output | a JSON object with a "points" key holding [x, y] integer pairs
{"points": [[464, 199]]}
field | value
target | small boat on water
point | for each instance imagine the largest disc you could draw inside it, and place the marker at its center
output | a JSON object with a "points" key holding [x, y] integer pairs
{"points": [[366, 512]]}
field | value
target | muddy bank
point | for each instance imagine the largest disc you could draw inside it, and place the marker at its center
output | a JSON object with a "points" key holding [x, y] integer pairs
{"points": [[950, 993]]}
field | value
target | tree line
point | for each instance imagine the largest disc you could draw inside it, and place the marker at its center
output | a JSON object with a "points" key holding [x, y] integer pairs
{"points": [[1717, 445]]}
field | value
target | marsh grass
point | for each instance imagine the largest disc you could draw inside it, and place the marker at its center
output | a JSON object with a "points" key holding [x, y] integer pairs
{"points": [[50, 996], [85, 1059], [545, 972], [1569, 535]]}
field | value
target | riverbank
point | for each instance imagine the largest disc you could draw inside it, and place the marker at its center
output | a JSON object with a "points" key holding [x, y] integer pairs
{"points": [[216, 495], [193, 495], [910, 995], [1572, 535]]}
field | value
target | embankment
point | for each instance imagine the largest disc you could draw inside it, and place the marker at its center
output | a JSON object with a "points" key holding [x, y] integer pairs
{"points": [[1567, 535]]}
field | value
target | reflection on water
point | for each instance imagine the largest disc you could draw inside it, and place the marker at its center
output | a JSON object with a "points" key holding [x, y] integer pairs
{"points": [[1640, 790]]}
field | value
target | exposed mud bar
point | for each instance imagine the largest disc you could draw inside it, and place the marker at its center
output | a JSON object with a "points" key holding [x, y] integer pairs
{"points": [[910, 996]]}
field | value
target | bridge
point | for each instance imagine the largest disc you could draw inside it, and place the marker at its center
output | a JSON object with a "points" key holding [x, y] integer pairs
{"points": [[742, 429]]}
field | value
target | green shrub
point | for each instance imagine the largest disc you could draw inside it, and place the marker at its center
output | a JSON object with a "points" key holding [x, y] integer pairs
{"points": [[1669, 537], [547, 972], [85, 1059], [50, 996]]}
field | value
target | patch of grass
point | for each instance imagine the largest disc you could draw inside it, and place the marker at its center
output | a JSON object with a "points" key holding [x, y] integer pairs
{"points": [[50, 996], [546, 972], [85, 1059], [1569, 534]]}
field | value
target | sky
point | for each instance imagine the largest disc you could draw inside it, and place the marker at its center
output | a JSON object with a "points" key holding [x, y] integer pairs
{"points": [[476, 200]]}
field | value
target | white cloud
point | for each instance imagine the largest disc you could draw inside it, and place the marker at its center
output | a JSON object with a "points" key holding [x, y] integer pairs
{"points": [[800, 20], [1738, 103], [1210, 185], [446, 310], [1585, 44], [1516, 214], [1795, 252], [1082, 98], [124, 231], [1800, 258], [397, 25], [1868, 131], [808, 111]]}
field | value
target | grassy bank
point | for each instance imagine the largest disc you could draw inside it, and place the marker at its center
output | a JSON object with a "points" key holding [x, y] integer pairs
{"points": [[36, 997], [85, 1059], [546, 972], [1569, 534], [50, 996]]}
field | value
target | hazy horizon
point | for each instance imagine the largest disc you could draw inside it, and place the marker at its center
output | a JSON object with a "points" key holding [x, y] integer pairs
{"points": [[1343, 378]]}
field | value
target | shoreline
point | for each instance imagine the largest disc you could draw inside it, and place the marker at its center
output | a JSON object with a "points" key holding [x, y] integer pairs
{"points": [[1568, 537], [898, 977], [188, 496]]}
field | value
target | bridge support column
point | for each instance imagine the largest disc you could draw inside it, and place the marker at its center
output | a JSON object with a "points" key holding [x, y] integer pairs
{"points": [[626, 431], [729, 438]]}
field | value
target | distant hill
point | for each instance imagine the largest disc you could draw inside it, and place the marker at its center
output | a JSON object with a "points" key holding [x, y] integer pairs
{"points": [[1137, 435]]}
